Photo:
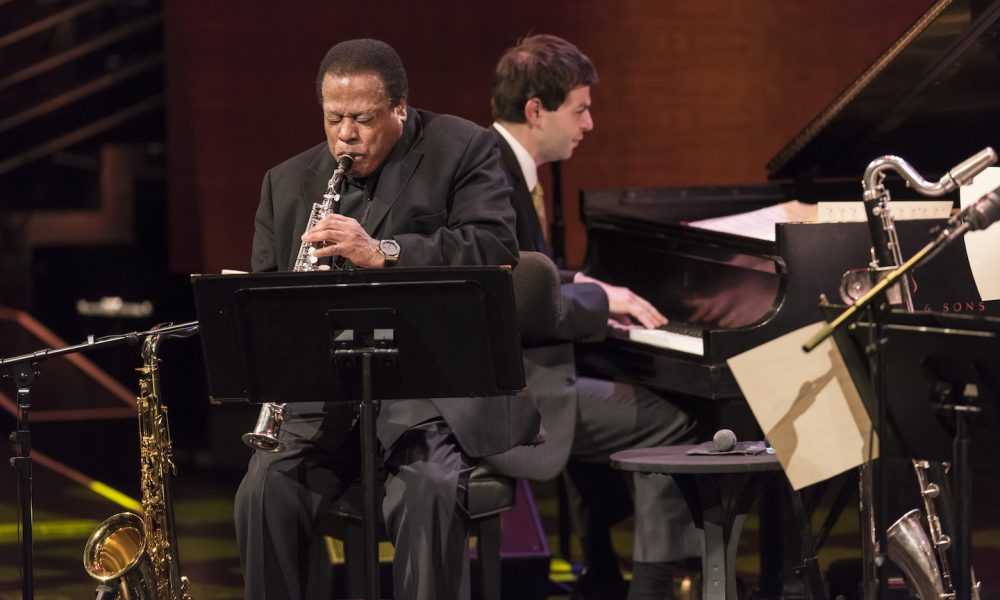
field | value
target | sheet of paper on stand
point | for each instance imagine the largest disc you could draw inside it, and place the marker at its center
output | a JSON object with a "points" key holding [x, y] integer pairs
{"points": [[902, 210], [983, 246], [806, 405], [759, 224]]}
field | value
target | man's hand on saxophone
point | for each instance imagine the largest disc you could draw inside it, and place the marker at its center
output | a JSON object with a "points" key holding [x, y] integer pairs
{"points": [[344, 236]]}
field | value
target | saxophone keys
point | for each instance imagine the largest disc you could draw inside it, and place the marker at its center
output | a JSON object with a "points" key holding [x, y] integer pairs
{"points": [[931, 491]]}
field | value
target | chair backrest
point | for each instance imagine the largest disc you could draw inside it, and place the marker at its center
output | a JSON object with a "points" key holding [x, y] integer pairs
{"points": [[536, 296]]}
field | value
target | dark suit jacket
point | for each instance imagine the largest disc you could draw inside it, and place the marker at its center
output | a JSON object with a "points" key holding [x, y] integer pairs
{"points": [[550, 368], [442, 196]]}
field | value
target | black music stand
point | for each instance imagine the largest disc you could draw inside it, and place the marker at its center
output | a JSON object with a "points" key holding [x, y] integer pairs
{"points": [[360, 336], [940, 393]]}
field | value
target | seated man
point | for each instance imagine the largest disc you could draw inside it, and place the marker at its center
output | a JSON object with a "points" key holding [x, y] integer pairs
{"points": [[424, 189], [541, 108]]}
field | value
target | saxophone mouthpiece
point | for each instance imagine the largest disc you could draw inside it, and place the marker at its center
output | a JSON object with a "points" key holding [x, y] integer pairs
{"points": [[344, 163]]}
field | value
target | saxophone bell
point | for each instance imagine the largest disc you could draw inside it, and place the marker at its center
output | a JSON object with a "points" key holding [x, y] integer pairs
{"points": [[264, 436], [116, 556]]}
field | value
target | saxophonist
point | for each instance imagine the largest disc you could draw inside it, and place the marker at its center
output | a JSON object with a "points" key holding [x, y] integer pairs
{"points": [[424, 189]]}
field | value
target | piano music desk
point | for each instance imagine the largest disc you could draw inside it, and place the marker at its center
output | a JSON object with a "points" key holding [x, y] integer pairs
{"points": [[719, 489]]}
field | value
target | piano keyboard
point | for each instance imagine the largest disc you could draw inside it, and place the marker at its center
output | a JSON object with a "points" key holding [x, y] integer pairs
{"points": [[680, 337]]}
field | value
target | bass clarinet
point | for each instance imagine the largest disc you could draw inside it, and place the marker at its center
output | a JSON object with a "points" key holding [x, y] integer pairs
{"points": [[922, 559]]}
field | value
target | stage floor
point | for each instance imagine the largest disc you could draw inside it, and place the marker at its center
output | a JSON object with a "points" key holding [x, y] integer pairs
{"points": [[67, 508]]}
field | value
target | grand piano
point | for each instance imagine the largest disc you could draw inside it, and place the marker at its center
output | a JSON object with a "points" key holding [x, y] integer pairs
{"points": [[932, 98]]}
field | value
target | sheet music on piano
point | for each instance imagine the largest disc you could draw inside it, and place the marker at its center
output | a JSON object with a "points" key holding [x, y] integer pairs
{"points": [[759, 224]]}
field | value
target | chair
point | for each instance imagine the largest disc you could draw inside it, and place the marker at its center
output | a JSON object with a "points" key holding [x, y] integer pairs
{"points": [[489, 495], [536, 292]]}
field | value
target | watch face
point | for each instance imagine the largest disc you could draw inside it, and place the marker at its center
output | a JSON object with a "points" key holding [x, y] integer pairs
{"points": [[389, 247]]}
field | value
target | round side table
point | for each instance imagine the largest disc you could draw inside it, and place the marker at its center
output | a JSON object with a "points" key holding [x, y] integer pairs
{"points": [[719, 489]]}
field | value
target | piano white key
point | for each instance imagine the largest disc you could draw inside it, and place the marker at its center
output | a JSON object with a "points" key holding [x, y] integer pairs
{"points": [[670, 340]]}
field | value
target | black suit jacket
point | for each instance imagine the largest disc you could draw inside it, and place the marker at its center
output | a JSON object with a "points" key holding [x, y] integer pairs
{"points": [[443, 197], [550, 368], [528, 228]]}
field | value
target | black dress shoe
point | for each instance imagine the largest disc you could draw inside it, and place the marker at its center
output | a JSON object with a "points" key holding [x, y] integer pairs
{"points": [[590, 586]]}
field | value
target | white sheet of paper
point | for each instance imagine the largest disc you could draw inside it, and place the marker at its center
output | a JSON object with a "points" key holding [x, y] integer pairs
{"points": [[902, 210], [806, 405], [759, 223], [983, 247]]}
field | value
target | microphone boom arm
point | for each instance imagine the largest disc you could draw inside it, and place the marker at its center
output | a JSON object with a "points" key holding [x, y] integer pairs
{"points": [[877, 289]]}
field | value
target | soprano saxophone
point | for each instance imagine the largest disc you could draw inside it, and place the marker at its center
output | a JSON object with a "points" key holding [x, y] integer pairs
{"points": [[136, 557], [306, 259], [264, 436]]}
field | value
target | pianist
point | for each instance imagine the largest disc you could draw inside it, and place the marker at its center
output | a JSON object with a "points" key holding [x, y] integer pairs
{"points": [[541, 108]]}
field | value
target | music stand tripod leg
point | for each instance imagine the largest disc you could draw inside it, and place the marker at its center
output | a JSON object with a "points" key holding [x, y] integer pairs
{"points": [[367, 412], [368, 450]]}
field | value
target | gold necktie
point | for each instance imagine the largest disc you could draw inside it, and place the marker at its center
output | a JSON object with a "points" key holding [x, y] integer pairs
{"points": [[538, 199]]}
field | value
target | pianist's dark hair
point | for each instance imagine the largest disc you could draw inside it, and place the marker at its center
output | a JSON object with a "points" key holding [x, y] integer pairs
{"points": [[541, 66], [363, 56]]}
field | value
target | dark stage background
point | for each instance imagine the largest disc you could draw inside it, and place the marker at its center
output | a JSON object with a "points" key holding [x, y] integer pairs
{"points": [[691, 92], [136, 133]]}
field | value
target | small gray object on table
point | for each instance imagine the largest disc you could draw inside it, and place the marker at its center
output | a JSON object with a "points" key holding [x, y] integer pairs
{"points": [[720, 518], [737, 448]]}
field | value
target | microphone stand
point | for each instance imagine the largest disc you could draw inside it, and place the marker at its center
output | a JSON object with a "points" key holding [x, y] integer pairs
{"points": [[963, 412], [22, 370]]}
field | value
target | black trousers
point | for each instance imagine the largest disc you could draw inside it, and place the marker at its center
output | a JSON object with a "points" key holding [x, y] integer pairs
{"points": [[425, 509]]}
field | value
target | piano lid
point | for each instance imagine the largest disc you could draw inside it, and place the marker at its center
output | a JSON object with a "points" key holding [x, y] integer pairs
{"points": [[932, 98]]}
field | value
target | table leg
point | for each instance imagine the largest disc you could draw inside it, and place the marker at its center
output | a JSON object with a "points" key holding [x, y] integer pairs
{"points": [[721, 520]]}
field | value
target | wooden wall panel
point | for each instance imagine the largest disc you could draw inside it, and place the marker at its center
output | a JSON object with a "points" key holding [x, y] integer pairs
{"points": [[691, 91]]}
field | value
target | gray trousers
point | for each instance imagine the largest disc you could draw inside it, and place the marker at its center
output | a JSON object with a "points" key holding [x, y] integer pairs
{"points": [[425, 509], [615, 416]]}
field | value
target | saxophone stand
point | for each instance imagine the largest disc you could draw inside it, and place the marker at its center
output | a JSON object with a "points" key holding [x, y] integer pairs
{"points": [[22, 370], [881, 324]]}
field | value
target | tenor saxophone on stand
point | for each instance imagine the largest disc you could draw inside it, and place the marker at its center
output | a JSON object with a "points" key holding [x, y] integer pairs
{"points": [[136, 557], [264, 436], [909, 547]]}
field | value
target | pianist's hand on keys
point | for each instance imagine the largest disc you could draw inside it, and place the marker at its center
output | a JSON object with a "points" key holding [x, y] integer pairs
{"points": [[625, 305]]}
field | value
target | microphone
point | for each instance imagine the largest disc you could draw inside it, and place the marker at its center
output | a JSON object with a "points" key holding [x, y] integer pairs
{"points": [[725, 440], [980, 214], [536, 296]]}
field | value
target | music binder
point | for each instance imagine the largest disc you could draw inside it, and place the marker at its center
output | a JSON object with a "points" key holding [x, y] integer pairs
{"points": [[455, 328], [931, 358]]}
